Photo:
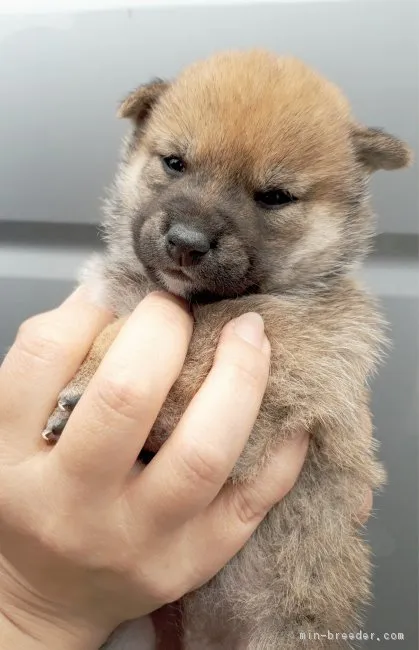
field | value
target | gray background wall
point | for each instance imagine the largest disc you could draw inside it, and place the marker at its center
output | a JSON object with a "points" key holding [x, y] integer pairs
{"points": [[61, 76]]}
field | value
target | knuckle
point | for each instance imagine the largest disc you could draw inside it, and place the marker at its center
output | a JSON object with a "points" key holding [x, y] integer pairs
{"points": [[121, 396], [39, 338], [55, 537], [202, 466], [160, 586], [121, 563], [248, 506], [161, 591], [249, 371]]}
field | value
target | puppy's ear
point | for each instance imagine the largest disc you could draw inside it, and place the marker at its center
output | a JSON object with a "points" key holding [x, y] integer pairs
{"points": [[140, 102], [377, 149]]}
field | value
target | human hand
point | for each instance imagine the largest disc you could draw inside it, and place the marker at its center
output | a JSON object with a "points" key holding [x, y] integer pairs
{"points": [[88, 539]]}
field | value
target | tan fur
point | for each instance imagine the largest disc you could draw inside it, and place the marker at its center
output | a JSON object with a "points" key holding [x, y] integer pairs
{"points": [[247, 122], [232, 141]]}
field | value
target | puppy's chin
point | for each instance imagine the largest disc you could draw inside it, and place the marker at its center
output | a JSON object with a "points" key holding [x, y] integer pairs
{"points": [[185, 289], [175, 283], [180, 285]]}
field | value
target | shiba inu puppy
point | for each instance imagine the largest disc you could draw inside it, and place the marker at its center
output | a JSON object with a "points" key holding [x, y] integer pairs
{"points": [[243, 186]]}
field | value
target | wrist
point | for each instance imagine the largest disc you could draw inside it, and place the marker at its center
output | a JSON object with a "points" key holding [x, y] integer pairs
{"points": [[27, 632]]}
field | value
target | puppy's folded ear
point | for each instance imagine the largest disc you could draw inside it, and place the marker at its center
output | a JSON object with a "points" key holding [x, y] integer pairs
{"points": [[377, 149], [139, 103]]}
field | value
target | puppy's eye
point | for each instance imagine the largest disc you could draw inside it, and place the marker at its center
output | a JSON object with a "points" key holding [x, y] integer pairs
{"points": [[273, 198], [174, 165]]}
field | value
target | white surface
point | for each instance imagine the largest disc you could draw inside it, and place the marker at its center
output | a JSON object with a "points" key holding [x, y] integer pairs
{"points": [[59, 6]]}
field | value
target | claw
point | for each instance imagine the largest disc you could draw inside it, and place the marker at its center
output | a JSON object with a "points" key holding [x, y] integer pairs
{"points": [[56, 423], [50, 436], [68, 401], [62, 405]]}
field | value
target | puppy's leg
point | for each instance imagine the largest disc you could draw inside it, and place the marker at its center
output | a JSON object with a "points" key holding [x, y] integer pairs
{"points": [[305, 573], [301, 578], [71, 394]]}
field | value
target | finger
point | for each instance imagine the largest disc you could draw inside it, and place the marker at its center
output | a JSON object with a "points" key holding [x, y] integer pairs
{"points": [[219, 533], [107, 429], [48, 350], [200, 454]]}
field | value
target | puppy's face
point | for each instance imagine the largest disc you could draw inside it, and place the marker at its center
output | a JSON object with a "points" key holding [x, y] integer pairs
{"points": [[247, 173]]}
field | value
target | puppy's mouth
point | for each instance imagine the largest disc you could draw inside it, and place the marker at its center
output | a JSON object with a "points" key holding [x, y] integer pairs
{"points": [[181, 282]]}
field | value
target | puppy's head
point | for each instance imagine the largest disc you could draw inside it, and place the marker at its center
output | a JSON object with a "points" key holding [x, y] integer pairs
{"points": [[246, 173]]}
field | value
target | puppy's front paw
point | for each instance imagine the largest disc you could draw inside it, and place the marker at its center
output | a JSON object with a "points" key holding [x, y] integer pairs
{"points": [[67, 400], [71, 394]]}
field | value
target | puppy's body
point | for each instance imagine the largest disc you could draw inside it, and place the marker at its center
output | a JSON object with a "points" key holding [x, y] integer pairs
{"points": [[243, 187]]}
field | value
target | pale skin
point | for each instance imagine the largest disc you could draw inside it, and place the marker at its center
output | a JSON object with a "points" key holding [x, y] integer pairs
{"points": [[89, 538]]}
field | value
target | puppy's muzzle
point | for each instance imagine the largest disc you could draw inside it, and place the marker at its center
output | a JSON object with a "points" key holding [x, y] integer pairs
{"points": [[186, 246]]}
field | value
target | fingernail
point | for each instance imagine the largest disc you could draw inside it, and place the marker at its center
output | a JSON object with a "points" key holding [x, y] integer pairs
{"points": [[250, 328]]}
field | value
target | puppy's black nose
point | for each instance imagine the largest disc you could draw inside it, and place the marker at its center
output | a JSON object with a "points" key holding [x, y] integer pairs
{"points": [[186, 246]]}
